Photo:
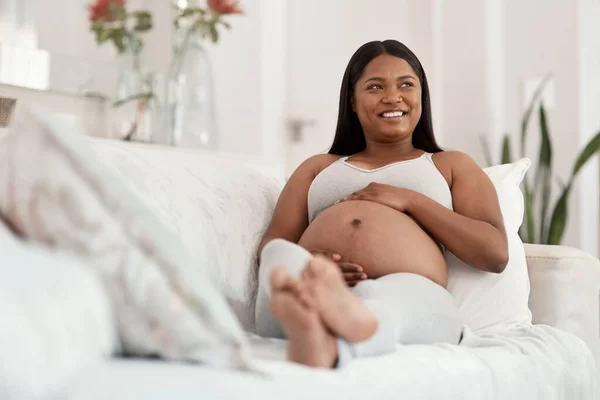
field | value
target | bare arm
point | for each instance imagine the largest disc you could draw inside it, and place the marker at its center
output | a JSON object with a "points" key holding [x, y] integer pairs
{"points": [[475, 230], [290, 218]]}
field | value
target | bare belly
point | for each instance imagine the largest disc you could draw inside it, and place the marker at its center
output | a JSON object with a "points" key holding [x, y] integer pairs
{"points": [[380, 239]]}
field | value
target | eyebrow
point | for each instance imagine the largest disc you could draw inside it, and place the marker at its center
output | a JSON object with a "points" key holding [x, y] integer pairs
{"points": [[379, 79]]}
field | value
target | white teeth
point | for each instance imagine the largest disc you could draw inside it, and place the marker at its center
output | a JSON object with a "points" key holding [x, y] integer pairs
{"points": [[392, 114]]}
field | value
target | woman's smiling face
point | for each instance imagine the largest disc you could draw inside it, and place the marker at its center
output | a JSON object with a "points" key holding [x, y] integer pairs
{"points": [[387, 100]]}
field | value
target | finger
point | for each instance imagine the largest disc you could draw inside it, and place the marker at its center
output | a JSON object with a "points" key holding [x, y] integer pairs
{"points": [[332, 256], [327, 254], [350, 267], [357, 196], [354, 277], [350, 197]]}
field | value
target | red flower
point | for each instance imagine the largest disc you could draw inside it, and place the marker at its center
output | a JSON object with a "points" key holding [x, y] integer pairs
{"points": [[225, 6], [100, 10]]}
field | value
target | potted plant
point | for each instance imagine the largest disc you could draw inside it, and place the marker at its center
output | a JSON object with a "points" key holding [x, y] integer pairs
{"points": [[546, 224]]}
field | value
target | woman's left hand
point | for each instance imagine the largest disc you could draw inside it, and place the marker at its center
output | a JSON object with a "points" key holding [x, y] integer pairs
{"points": [[391, 196]]}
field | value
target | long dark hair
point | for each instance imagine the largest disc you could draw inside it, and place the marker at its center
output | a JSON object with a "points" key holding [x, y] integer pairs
{"points": [[349, 136]]}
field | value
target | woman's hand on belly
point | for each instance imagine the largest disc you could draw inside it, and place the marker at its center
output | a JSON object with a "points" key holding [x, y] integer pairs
{"points": [[353, 273], [391, 196]]}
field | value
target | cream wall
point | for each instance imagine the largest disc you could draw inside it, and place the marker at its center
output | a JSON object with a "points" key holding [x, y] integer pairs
{"points": [[240, 61], [477, 54]]}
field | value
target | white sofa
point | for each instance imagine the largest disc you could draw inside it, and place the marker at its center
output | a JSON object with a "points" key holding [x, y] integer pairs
{"points": [[565, 289]]}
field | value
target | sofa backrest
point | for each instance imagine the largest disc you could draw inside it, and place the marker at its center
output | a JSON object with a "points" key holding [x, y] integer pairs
{"points": [[219, 205]]}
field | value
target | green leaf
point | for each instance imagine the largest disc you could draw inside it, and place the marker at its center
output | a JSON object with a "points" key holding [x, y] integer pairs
{"points": [[485, 146], [559, 218], [506, 154], [529, 111], [560, 214], [186, 12], [142, 14], [544, 172], [97, 25], [214, 34], [588, 151], [143, 25], [119, 40], [104, 35], [116, 11], [143, 21], [529, 214], [546, 145], [225, 24]]}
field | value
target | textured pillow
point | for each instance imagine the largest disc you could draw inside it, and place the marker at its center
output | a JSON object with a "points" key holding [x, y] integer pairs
{"points": [[55, 320], [53, 191], [219, 205], [484, 299]]}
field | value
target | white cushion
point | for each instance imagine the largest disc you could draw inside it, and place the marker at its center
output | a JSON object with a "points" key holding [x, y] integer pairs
{"points": [[219, 205], [484, 299], [55, 320], [54, 192]]}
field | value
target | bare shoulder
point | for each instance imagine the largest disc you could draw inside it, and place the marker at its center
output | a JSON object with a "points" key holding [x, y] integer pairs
{"points": [[453, 164], [453, 157], [315, 164]]}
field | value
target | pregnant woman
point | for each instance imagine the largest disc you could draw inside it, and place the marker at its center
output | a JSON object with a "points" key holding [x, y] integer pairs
{"points": [[353, 261]]}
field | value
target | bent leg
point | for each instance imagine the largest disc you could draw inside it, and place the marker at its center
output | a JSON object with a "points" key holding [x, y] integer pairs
{"points": [[277, 253], [410, 309]]}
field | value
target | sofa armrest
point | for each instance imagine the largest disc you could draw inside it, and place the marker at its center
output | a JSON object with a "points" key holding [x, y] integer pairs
{"points": [[565, 291]]}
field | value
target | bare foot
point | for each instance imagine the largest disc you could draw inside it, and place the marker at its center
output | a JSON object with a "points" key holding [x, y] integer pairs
{"points": [[282, 280], [344, 313], [309, 342]]}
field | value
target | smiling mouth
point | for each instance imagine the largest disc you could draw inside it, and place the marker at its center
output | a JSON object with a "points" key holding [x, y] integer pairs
{"points": [[392, 114]]}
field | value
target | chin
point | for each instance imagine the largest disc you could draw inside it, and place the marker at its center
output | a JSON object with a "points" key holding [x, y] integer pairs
{"points": [[395, 135]]}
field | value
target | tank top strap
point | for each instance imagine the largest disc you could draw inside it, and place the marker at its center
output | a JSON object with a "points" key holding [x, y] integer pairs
{"points": [[429, 156]]}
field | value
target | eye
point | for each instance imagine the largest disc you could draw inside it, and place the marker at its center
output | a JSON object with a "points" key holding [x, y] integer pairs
{"points": [[375, 86], [407, 84]]}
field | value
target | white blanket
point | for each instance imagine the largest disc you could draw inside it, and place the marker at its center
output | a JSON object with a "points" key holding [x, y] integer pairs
{"points": [[537, 362], [526, 363]]}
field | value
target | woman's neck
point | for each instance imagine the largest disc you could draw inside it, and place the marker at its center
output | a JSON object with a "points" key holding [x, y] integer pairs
{"points": [[384, 151]]}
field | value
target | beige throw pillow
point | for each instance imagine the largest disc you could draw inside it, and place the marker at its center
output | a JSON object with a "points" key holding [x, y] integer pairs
{"points": [[54, 191]]}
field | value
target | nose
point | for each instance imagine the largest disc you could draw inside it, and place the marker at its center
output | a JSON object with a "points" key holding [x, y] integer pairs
{"points": [[391, 97]]}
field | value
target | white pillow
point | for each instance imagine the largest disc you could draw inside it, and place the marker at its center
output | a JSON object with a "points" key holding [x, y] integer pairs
{"points": [[54, 191], [484, 299], [219, 205], [55, 320]]}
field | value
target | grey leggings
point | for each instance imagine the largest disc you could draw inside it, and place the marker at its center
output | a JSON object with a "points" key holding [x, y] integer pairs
{"points": [[410, 308]]}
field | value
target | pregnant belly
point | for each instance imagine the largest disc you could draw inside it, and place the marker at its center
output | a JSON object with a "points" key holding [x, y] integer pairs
{"points": [[380, 239]]}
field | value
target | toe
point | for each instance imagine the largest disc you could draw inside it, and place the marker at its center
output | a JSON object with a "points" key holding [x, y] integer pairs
{"points": [[282, 280], [317, 267], [291, 313]]}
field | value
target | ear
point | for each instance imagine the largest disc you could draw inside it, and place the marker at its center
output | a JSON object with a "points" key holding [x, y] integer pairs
{"points": [[353, 102]]}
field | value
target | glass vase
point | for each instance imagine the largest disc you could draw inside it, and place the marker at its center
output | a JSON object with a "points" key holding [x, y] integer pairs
{"points": [[192, 120], [134, 97]]}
